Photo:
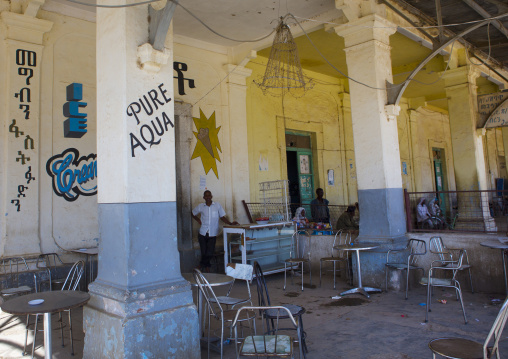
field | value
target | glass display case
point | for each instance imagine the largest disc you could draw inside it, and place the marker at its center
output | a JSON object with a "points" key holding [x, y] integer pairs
{"points": [[268, 244]]}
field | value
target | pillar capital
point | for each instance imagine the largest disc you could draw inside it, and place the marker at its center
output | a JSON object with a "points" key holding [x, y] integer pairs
{"points": [[461, 76], [368, 28], [152, 60], [25, 28]]}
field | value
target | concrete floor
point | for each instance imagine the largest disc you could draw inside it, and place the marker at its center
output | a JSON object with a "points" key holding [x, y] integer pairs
{"points": [[384, 326]]}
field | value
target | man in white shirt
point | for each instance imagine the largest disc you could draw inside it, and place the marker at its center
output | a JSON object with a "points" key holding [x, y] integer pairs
{"points": [[209, 214]]}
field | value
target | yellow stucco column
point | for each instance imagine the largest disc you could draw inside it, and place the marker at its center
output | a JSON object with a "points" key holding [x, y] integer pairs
{"points": [[467, 142], [238, 146], [378, 169], [20, 83]]}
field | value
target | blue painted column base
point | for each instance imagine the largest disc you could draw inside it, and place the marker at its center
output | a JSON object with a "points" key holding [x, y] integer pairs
{"points": [[140, 306], [382, 222], [160, 322]]}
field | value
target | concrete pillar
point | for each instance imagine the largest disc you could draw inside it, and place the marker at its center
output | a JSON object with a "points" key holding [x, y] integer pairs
{"points": [[504, 132], [380, 193], [141, 307], [20, 82], [238, 148], [467, 142]]}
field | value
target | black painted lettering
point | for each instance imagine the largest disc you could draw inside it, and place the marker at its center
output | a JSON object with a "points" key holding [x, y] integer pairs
{"points": [[153, 96], [136, 144], [152, 141], [163, 93], [167, 121], [131, 111], [144, 107], [160, 125]]}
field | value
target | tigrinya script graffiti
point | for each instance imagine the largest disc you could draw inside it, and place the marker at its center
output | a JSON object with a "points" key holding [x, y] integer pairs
{"points": [[73, 175]]}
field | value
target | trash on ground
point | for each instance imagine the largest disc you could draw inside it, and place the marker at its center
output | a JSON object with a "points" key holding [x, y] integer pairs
{"points": [[422, 304], [443, 301], [337, 297]]}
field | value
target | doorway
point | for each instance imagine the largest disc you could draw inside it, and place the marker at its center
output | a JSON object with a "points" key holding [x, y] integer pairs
{"points": [[300, 170], [439, 176]]}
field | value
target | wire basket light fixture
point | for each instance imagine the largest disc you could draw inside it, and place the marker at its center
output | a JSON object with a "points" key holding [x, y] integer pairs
{"points": [[283, 72]]}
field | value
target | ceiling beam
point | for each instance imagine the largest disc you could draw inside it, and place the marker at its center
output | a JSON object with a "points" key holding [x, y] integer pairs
{"points": [[497, 24], [439, 17], [159, 24]]}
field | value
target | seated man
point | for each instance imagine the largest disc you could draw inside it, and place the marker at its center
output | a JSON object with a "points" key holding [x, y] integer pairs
{"points": [[345, 221], [319, 208], [423, 215]]}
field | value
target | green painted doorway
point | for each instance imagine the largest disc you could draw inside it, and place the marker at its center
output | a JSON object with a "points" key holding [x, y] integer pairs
{"points": [[439, 177], [300, 170]]}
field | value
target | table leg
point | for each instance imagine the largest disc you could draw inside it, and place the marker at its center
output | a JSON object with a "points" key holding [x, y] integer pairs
{"points": [[361, 290], [504, 271], [48, 352]]}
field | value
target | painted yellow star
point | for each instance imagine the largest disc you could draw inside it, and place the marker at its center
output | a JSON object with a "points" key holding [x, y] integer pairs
{"points": [[207, 146]]}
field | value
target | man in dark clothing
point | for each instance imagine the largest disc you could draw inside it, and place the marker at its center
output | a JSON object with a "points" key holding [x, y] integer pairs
{"points": [[319, 208], [346, 221]]}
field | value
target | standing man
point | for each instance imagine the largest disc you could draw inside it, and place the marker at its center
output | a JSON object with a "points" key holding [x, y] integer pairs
{"points": [[209, 214], [319, 208]]}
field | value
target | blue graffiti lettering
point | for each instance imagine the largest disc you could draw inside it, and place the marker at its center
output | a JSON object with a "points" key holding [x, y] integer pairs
{"points": [[69, 179]]}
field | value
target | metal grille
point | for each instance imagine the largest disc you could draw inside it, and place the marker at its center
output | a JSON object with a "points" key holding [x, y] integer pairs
{"points": [[274, 199], [255, 210], [468, 211]]}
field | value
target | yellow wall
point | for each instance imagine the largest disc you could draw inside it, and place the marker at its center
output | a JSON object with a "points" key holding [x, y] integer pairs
{"points": [[319, 112]]}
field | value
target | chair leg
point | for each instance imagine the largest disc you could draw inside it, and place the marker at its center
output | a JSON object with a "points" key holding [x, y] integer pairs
{"points": [[70, 330], [61, 328], [26, 333], [457, 288], [407, 281], [35, 334], [386, 279], [310, 273], [285, 273], [471, 280], [334, 278], [302, 275], [320, 270], [428, 304], [222, 339]]}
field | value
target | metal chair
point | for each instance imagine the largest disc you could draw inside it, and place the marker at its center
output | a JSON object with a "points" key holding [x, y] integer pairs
{"points": [[267, 344], [71, 283], [436, 246], [433, 281], [214, 309], [10, 270], [264, 300], [461, 348], [342, 256], [241, 272], [298, 261], [416, 248], [50, 263]]}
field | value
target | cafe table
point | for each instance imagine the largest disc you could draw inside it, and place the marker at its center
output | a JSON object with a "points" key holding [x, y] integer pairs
{"points": [[502, 244], [215, 280], [46, 303], [357, 247]]}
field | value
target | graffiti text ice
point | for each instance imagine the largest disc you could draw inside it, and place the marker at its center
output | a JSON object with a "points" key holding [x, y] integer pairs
{"points": [[73, 175], [75, 124]]}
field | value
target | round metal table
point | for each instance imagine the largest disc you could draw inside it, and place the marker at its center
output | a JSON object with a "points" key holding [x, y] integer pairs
{"points": [[54, 302], [496, 244], [357, 247]]}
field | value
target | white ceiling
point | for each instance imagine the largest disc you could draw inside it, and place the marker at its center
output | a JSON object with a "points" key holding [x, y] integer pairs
{"points": [[241, 19]]}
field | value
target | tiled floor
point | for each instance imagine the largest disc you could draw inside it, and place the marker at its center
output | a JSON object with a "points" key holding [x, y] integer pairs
{"points": [[384, 326]]}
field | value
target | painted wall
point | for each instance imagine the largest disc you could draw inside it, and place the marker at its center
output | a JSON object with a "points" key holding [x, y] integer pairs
{"points": [[323, 112], [57, 206]]}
